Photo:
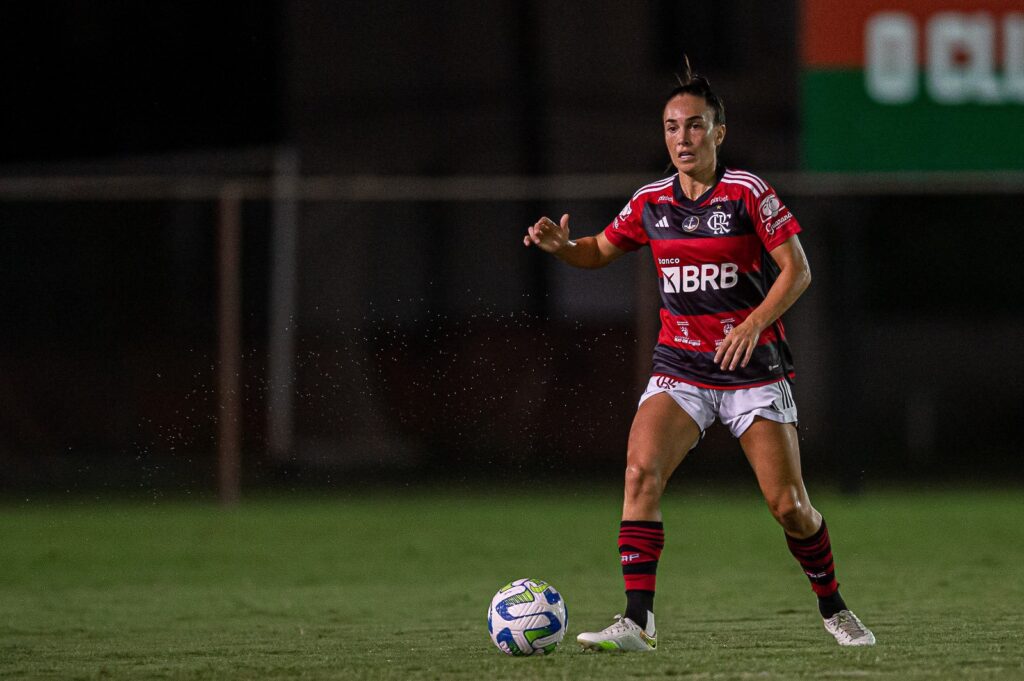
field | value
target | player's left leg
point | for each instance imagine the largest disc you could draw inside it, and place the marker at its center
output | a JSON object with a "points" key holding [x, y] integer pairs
{"points": [[774, 454]]}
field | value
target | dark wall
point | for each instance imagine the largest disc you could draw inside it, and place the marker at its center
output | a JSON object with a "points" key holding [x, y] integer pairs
{"points": [[104, 79], [504, 87], [428, 341]]}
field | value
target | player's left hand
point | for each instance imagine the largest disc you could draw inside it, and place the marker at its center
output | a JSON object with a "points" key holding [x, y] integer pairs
{"points": [[738, 346]]}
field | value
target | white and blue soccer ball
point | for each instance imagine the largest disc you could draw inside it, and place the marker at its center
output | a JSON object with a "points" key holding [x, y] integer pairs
{"points": [[527, 617]]}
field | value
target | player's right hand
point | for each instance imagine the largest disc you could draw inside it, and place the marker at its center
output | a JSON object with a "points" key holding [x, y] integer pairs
{"points": [[548, 236]]}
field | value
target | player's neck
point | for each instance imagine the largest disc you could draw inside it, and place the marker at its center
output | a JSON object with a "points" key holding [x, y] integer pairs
{"points": [[695, 185]]}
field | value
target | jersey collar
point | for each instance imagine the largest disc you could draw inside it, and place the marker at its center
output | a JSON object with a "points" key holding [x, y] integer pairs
{"points": [[680, 198]]}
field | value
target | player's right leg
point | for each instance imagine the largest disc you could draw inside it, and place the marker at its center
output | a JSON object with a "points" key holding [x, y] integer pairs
{"points": [[661, 435]]}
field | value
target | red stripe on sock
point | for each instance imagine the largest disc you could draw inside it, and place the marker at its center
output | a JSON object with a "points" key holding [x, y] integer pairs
{"points": [[639, 582], [820, 569], [639, 551]]}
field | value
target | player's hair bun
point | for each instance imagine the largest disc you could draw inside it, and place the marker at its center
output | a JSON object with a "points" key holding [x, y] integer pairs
{"points": [[697, 85]]}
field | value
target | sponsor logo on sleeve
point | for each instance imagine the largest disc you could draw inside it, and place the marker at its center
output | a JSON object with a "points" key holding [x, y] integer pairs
{"points": [[626, 211], [778, 223], [770, 207]]}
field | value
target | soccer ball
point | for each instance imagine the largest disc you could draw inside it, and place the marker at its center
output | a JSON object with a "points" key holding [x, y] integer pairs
{"points": [[527, 617]]}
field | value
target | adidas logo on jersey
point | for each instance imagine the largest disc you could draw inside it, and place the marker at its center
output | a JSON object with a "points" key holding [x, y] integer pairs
{"points": [[663, 222]]}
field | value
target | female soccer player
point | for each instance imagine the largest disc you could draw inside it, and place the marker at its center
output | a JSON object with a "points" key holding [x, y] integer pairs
{"points": [[729, 264]]}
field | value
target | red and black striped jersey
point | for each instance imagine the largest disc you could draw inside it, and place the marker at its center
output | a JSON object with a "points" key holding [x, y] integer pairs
{"points": [[714, 268]]}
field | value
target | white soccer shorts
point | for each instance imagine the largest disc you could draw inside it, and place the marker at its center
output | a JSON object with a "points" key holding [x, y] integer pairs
{"points": [[735, 408]]}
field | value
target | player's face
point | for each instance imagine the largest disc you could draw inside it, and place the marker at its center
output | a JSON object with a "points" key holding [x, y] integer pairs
{"points": [[691, 136]]}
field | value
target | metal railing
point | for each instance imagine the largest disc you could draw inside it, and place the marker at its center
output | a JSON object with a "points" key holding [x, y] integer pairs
{"points": [[286, 188]]}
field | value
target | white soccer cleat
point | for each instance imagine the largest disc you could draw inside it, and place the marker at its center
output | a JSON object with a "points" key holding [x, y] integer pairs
{"points": [[849, 630], [624, 635]]}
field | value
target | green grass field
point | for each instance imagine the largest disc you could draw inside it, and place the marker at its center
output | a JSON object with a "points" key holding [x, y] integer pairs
{"points": [[395, 585]]}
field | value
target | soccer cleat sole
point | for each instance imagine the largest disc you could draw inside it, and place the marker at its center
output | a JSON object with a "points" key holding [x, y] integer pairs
{"points": [[600, 647], [612, 647]]}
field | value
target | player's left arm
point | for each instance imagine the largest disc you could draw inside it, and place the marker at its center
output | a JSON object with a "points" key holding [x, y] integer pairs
{"points": [[794, 278]]}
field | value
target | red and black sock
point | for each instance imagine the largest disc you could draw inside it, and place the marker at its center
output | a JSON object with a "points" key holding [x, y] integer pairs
{"points": [[640, 545], [815, 557]]}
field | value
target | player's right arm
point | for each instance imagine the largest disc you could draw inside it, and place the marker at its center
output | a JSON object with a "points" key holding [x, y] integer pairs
{"points": [[589, 252]]}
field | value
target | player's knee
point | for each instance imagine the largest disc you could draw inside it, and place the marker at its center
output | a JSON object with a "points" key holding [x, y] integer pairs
{"points": [[642, 479], [795, 517]]}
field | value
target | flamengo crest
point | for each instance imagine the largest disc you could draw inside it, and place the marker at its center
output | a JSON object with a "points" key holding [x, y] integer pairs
{"points": [[718, 222]]}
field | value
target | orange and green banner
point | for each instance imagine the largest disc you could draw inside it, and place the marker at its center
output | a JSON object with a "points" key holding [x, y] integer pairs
{"points": [[913, 85]]}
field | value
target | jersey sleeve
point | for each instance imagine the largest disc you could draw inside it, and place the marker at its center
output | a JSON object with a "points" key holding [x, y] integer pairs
{"points": [[626, 231], [773, 221]]}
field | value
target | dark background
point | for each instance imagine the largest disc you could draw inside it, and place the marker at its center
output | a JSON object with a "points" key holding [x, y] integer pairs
{"points": [[429, 343]]}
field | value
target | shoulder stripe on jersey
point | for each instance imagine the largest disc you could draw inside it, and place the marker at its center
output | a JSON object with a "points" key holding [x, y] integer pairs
{"points": [[654, 186], [740, 179], [744, 175], [749, 176], [732, 180]]}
